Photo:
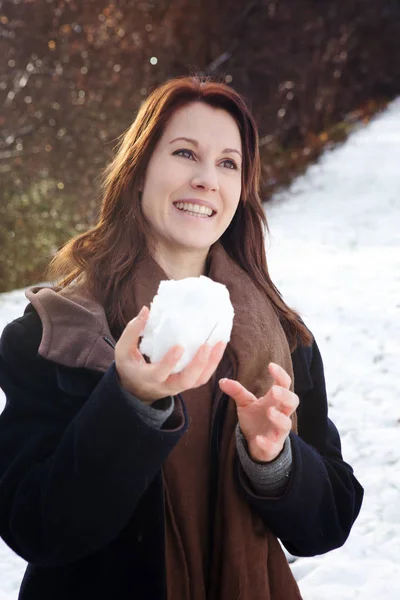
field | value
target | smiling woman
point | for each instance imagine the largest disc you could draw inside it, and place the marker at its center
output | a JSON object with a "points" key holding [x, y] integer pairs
{"points": [[122, 479]]}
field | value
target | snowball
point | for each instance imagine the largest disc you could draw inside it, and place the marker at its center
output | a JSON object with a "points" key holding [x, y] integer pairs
{"points": [[188, 312]]}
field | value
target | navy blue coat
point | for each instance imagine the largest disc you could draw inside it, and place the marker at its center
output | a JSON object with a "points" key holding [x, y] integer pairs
{"points": [[81, 494]]}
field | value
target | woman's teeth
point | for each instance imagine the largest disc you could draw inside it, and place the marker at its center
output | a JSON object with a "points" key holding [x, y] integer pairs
{"points": [[194, 209]]}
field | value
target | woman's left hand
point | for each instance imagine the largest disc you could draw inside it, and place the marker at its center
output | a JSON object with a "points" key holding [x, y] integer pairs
{"points": [[265, 422]]}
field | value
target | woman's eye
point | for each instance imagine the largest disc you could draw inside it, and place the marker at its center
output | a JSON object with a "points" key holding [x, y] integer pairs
{"points": [[231, 164], [189, 154], [184, 152]]}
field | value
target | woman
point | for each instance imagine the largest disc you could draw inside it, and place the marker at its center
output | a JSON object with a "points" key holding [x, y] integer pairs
{"points": [[120, 480]]}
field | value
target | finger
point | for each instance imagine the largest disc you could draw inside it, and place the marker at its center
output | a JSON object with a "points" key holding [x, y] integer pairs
{"points": [[162, 370], [281, 422], [280, 375], [128, 342], [187, 378], [237, 392], [215, 358], [286, 401]]}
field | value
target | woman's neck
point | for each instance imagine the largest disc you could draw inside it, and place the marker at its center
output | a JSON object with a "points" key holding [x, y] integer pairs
{"points": [[178, 265]]}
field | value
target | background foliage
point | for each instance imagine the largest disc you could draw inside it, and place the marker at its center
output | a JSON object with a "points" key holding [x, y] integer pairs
{"points": [[75, 73]]}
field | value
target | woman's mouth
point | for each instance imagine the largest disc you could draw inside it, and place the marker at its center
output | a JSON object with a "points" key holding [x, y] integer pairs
{"points": [[194, 210]]}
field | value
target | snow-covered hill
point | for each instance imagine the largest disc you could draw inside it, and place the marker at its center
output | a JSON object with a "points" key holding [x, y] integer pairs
{"points": [[334, 253]]}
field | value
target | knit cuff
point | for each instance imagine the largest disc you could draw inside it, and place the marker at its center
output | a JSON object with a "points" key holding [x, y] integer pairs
{"points": [[267, 478], [154, 414]]}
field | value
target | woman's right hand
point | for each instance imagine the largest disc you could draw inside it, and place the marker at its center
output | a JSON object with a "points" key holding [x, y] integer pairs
{"points": [[151, 382]]}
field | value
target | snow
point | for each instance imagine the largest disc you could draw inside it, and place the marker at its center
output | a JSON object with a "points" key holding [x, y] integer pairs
{"points": [[188, 312], [334, 253]]}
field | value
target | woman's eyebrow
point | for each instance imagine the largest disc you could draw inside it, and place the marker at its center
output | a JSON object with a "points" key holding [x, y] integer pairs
{"points": [[196, 144]]}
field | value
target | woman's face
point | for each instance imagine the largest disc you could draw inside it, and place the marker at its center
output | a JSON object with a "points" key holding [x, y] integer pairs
{"points": [[192, 184]]}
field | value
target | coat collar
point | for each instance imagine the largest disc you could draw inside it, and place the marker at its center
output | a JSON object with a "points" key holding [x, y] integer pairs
{"points": [[74, 327]]}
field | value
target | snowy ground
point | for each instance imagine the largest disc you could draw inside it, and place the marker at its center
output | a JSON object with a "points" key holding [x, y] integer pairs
{"points": [[335, 255]]}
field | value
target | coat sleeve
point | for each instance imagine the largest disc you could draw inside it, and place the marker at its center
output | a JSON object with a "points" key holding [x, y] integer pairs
{"points": [[323, 497], [72, 469]]}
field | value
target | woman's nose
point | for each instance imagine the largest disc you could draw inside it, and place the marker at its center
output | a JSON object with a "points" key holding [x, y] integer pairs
{"points": [[206, 179]]}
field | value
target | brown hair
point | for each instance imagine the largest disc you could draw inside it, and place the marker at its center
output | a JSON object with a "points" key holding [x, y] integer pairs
{"points": [[106, 253]]}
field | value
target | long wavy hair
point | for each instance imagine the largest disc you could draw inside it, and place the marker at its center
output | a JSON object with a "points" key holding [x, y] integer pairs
{"points": [[105, 255]]}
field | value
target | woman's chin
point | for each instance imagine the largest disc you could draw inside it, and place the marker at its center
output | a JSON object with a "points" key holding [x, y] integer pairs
{"points": [[194, 243]]}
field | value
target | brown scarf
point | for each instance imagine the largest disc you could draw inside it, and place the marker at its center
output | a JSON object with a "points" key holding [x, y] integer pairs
{"points": [[246, 560]]}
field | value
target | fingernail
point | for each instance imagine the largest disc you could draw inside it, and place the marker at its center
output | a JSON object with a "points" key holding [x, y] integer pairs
{"points": [[141, 314], [222, 380], [278, 391]]}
